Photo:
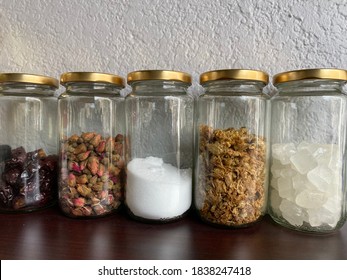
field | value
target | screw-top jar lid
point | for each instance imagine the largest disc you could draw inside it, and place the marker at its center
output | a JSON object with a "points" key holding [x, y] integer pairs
{"points": [[28, 78], [234, 74], [304, 74], [165, 75], [94, 77]]}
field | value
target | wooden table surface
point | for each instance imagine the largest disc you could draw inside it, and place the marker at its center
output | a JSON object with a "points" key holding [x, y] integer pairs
{"points": [[48, 234]]}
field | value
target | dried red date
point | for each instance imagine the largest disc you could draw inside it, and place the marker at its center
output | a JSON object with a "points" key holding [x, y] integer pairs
{"points": [[28, 180]]}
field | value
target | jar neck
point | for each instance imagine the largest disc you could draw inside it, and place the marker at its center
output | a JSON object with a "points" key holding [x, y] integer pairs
{"points": [[91, 88], [233, 87], [24, 89], [149, 88], [309, 87]]}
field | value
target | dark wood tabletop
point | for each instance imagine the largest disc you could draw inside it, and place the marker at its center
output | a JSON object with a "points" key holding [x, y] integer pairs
{"points": [[49, 235]]}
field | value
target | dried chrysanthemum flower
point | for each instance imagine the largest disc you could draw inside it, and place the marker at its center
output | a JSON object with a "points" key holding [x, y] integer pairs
{"points": [[231, 182]]}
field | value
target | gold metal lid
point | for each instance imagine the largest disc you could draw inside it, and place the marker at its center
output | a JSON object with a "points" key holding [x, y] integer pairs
{"points": [[319, 73], [234, 74], [95, 77], [28, 78], [166, 75]]}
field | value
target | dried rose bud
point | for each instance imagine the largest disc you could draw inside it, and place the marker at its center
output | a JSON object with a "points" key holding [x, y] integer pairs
{"points": [[109, 183], [101, 147], [71, 180], [113, 170], [83, 156], [104, 178], [120, 163], [116, 158], [93, 165], [83, 165], [98, 186], [75, 167], [73, 138], [105, 161], [83, 190], [87, 171], [119, 138], [93, 180], [87, 136], [95, 200], [96, 140], [117, 186], [89, 156], [110, 144], [79, 202], [101, 170], [71, 157], [118, 148], [82, 179], [73, 192], [115, 179], [70, 149], [81, 148]]}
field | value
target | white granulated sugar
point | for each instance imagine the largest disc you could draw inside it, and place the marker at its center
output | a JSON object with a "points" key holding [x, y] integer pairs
{"points": [[157, 190]]}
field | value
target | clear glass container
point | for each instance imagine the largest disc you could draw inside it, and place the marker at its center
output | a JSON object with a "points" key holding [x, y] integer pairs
{"points": [[92, 126], [159, 121], [28, 142], [308, 146], [230, 188]]}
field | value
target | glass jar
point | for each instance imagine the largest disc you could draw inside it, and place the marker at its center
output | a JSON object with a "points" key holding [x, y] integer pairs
{"points": [[92, 126], [230, 187], [159, 118], [28, 142], [308, 140]]}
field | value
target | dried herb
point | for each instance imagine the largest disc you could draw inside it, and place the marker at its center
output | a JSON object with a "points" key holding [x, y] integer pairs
{"points": [[231, 176]]}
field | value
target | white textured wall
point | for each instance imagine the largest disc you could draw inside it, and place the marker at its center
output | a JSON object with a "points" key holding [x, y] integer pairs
{"points": [[51, 36]]}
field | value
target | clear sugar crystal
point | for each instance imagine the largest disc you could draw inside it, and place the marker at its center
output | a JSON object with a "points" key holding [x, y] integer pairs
{"points": [[276, 168], [321, 216], [292, 213], [283, 152], [322, 177], [285, 188], [310, 199], [303, 161], [306, 183], [275, 202]]}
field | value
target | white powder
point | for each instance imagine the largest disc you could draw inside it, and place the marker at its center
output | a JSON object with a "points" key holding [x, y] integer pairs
{"points": [[156, 190]]}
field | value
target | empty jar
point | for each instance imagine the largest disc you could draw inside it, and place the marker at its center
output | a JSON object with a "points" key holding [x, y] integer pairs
{"points": [[92, 126], [159, 118], [230, 149], [308, 142], [28, 142]]}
